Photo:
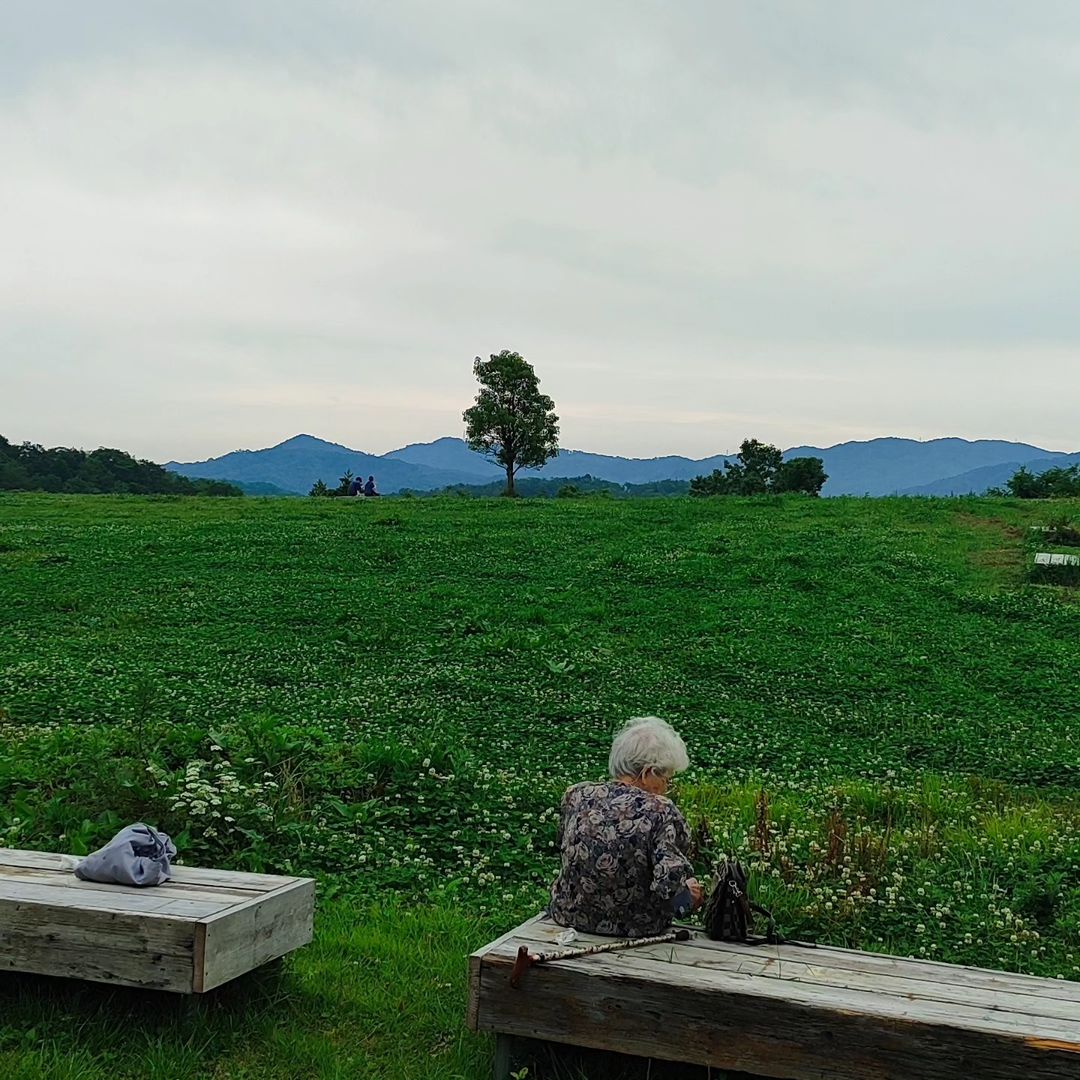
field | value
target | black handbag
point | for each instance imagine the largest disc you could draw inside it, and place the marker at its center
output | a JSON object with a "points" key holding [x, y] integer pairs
{"points": [[728, 913]]}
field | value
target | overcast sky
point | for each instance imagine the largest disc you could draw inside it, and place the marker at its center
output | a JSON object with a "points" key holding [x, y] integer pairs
{"points": [[227, 222]]}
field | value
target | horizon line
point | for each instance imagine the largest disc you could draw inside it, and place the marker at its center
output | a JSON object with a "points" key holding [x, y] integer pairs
{"points": [[636, 457]]}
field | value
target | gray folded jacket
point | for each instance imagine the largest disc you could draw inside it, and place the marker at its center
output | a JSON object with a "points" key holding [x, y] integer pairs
{"points": [[136, 855]]}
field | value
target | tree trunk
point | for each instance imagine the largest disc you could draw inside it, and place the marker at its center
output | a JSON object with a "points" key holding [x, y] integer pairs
{"points": [[510, 481]]}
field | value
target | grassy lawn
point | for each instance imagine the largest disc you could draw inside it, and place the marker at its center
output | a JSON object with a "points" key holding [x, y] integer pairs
{"points": [[378, 994], [881, 710]]}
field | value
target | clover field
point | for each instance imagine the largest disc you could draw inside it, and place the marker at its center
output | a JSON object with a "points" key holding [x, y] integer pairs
{"points": [[881, 704]]}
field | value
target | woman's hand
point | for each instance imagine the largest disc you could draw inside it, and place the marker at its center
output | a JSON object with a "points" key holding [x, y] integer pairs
{"points": [[697, 893]]}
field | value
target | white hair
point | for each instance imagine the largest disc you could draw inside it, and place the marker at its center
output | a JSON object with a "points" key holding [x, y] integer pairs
{"points": [[647, 744]]}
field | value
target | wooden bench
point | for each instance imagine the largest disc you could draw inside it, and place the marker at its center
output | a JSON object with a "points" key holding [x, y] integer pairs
{"points": [[1049, 558], [188, 935], [781, 1011]]}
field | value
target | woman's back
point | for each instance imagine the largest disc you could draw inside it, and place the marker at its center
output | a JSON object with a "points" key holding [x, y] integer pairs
{"points": [[623, 860]]}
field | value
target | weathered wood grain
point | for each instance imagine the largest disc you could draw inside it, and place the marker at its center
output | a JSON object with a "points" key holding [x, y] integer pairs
{"points": [[248, 935], [133, 900], [798, 1040], [784, 1012], [177, 890], [184, 875], [1048, 558], [768, 990], [187, 935], [142, 950], [543, 931], [472, 1017], [789, 964]]}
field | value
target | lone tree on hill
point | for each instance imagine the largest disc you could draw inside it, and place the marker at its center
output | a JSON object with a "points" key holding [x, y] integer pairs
{"points": [[511, 422], [760, 469]]}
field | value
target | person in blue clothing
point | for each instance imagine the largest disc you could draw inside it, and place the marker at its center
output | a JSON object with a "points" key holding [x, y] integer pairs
{"points": [[369, 487]]}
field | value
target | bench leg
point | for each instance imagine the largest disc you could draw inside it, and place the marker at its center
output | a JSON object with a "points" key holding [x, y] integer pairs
{"points": [[505, 1046]]}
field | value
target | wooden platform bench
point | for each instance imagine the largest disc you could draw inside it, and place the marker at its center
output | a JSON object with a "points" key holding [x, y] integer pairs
{"points": [[188, 935], [781, 1011], [1049, 558]]}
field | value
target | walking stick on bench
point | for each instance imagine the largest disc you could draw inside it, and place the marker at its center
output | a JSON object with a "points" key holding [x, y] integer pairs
{"points": [[526, 959]]}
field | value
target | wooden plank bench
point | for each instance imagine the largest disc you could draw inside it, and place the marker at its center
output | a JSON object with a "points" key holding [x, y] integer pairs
{"points": [[781, 1011], [1050, 558], [187, 935]]}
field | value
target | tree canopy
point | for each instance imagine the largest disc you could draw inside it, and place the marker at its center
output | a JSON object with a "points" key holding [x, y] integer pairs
{"points": [[760, 469], [30, 467], [1062, 482], [511, 421]]}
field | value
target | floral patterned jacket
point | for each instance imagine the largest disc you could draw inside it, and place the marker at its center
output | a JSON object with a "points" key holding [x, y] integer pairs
{"points": [[623, 860]]}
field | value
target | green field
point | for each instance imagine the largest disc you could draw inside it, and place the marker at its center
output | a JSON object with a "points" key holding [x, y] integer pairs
{"points": [[882, 714]]}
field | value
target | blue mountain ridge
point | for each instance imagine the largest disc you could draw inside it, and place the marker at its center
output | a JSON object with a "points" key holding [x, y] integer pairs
{"points": [[883, 466], [299, 462], [978, 481], [891, 466]]}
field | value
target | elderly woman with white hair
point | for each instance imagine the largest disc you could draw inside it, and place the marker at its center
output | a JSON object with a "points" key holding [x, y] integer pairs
{"points": [[623, 843]]}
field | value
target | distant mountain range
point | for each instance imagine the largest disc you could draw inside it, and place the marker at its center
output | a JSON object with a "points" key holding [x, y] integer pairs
{"points": [[297, 463], [874, 467], [991, 476]]}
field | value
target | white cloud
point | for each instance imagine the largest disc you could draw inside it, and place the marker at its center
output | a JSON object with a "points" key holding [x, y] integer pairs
{"points": [[229, 224]]}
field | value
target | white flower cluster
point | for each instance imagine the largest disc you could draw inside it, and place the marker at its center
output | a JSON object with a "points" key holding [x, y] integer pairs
{"points": [[213, 798]]}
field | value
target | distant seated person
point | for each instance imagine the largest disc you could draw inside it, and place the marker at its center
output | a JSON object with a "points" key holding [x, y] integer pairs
{"points": [[356, 487], [369, 487], [623, 843]]}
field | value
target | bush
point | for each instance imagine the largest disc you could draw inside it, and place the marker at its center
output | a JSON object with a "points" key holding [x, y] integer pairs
{"points": [[1058, 483], [761, 470]]}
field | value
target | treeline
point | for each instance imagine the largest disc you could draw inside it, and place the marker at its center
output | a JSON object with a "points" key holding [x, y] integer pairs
{"points": [[1062, 482], [760, 469], [30, 467]]}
